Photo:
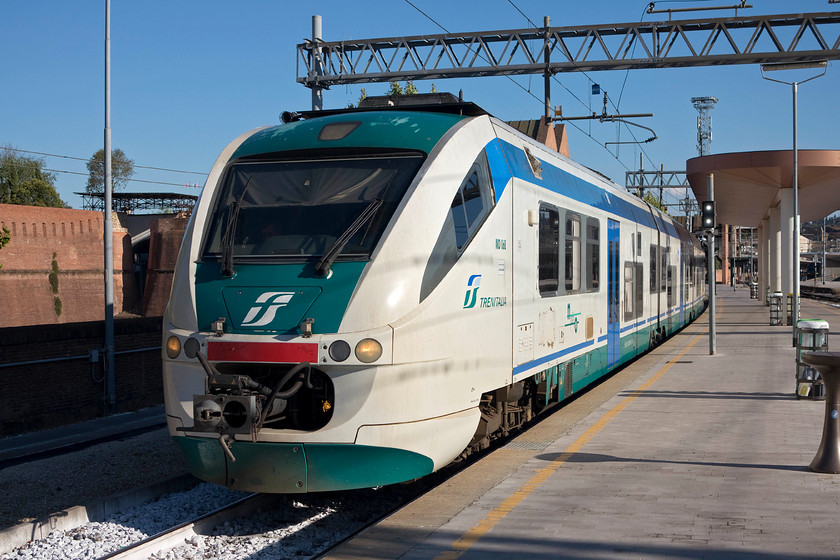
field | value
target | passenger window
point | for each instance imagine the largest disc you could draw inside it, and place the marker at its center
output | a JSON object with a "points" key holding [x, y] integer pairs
{"points": [[572, 271], [653, 273], [640, 290], [549, 258], [593, 247], [633, 290], [629, 300]]}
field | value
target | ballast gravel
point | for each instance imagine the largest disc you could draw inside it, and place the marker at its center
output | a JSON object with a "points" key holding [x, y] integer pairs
{"points": [[293, 528], [96, 539]]}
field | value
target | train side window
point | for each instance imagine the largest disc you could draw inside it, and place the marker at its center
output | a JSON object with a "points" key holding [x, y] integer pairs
{"points": [[640, 290], [572, 261], [593, 248], [653, 273], [549, 258], [672, 270], [665, 255], [629, 291], [471, 204]]}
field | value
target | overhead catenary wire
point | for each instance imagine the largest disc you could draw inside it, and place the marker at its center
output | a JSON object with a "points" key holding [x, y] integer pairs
{"points": [[88, 174], [611, 102], [520, 86], [88, 159]]}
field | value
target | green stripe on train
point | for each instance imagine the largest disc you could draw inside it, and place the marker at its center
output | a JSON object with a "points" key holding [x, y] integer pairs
{"points": [[326, 299], [300, 467], [392, 129]]}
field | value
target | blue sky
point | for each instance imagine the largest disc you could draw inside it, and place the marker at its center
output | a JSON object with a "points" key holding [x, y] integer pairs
{"points": [[188, 76]]}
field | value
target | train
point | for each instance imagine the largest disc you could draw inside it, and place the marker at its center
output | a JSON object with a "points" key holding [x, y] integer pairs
{"points": [[365, 295]]}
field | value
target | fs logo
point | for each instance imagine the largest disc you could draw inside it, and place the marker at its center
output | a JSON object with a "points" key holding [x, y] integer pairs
{"points": [[472, 294], [265, 308]]}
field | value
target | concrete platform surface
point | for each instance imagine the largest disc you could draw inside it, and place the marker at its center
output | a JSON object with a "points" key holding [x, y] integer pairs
{"points": [[694, 457]]}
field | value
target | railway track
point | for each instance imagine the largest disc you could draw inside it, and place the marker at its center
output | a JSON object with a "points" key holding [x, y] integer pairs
{"points": [[178, 535]]}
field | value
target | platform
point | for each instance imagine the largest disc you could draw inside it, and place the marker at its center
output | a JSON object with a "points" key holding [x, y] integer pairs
{"points": [[680, 455]]}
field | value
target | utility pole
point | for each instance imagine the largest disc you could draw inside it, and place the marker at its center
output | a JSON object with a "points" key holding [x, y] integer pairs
{"points": [[108, 239], [317, 65], [710, 270], [547, 75]]}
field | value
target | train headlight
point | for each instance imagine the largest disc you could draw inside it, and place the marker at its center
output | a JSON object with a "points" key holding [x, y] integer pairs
{"points": [[173, 347], [339, 351], [368, 351]]}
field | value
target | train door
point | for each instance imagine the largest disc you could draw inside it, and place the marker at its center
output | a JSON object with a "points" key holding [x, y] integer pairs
{"points": [[613, 291]]}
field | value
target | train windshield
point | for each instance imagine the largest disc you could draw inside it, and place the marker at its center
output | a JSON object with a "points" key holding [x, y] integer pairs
{"points": [[305, 209]]}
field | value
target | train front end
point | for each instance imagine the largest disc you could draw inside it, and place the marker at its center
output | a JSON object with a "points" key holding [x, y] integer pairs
{"points": [[279, 362]]}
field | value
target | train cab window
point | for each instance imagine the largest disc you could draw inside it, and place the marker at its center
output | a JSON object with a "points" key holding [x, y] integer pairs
{"points": [[306, 208], [549, 257], [466, 209], [572, 252], [593, 255], [471, 204]]}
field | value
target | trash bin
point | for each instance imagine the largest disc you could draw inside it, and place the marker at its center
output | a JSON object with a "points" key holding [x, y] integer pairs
{"points": [[811, 336], [767, 295], [753, 290], [776, 308]]}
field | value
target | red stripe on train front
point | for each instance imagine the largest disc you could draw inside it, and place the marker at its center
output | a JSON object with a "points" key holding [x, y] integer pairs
{"points": [[289, 352]]}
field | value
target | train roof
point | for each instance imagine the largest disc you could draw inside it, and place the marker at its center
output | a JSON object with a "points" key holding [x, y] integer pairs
{"points": [[420, 102]]}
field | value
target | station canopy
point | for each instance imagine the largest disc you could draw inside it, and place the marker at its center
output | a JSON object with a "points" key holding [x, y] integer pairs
{"points": [[748, 184]]}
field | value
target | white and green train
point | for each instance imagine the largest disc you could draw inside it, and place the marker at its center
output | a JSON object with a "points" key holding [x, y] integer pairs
{"points": [[364, 295]]}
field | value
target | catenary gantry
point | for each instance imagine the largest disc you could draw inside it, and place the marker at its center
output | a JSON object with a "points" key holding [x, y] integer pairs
{"points": [[551, 50]]}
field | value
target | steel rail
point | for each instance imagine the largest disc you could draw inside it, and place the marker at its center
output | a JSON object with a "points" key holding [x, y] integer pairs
{"points": [[141, 550]]}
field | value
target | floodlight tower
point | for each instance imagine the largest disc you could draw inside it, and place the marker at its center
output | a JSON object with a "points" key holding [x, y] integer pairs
{"points": [[704, 123]]}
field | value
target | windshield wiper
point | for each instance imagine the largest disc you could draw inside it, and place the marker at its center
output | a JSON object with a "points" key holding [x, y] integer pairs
{"points": [[230, 232], [227, 239], [323, 266]]}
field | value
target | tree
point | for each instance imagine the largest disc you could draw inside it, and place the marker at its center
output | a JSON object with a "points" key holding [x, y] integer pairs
{"points": [[653, 201], [5, 237], [23, 180], [122, 169], [395, 89]]}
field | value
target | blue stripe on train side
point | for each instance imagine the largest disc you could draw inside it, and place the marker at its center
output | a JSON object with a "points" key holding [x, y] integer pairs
{"points": [[560, 181]]}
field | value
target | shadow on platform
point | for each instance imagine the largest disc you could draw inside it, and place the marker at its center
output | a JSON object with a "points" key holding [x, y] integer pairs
{"points": [[601, 458]]}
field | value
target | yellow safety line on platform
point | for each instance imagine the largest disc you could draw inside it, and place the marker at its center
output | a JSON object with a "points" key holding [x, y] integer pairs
{"points": [[468, 539]]}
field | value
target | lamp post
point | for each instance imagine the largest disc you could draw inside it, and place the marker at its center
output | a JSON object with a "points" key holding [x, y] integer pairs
{"points": [[795, 247]]}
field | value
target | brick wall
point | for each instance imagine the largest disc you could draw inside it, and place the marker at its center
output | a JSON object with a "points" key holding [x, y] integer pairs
{"points": [[73, 240], [66, 386], [164, 242]]}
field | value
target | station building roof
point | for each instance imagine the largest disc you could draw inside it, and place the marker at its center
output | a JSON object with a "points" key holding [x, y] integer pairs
{"points": [[747, 184]]}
